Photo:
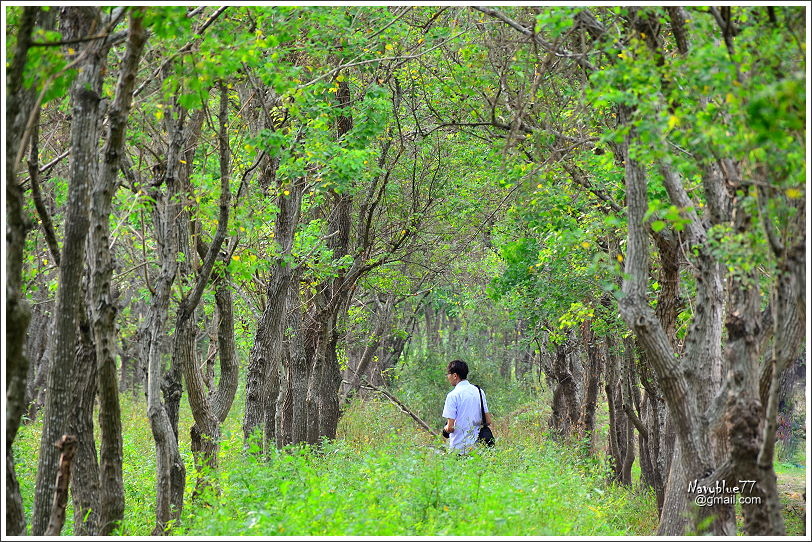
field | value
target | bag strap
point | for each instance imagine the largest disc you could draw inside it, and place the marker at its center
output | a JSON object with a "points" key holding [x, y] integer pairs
{"points": [[481, 406]]}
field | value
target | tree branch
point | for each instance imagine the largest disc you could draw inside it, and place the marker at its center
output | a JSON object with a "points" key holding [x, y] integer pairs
{"points": [[399, 404]]}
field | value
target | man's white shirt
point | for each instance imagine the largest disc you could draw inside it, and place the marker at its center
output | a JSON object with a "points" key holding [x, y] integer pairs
{"points": [[462, 405]]}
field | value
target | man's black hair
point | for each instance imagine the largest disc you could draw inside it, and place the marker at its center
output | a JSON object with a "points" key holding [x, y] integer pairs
{"points": [[460, 367]]}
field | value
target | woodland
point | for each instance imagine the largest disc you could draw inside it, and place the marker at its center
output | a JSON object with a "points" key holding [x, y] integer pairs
{"points": [[243, 243]]}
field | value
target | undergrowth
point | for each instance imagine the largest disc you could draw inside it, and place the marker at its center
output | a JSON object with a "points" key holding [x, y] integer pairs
{"points": [[381, 476], [396, 487]]}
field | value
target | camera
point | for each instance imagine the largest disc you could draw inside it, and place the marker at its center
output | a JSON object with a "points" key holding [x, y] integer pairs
{"points": [[445, 433]]}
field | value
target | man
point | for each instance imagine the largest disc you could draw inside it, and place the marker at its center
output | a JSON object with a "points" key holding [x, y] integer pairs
{"points": [[462, 409]]}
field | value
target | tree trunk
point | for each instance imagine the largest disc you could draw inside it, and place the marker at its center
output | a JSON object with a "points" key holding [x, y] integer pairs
{"points": [[67, 447], [102, 305], [17, 311], [617, 418], [206, 430], [683, 402], [594, 368], [674, 516], [283, 406], [627, 385], [299, 372], [325, 376], [78, 22], [565, 396], [85, 471], [170, 470], [262, 387], [223, 397], [15, 514]]}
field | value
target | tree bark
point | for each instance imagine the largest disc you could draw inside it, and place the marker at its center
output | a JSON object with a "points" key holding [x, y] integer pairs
{"points": [[85, 470], [223, 397], [206, 430], [565, 396], [17, 311], [325, 375], [618, 421], [678, 387], [594, 368], [102, 305], [294, 412], [170, 469], [78, 22], [67, 446], [262, 387]]}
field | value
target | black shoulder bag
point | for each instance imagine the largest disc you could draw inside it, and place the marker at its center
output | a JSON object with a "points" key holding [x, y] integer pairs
{"points": [[485, 434]]}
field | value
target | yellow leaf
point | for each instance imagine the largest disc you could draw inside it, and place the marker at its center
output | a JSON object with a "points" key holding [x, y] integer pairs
{"points": [[235, 258], [71, 51], [242, 229], [388, 47], [673, 120], [44, 261], [538, 186], [793, 193], [585, 244], [729, 98], [183, 161], [159, 114]]}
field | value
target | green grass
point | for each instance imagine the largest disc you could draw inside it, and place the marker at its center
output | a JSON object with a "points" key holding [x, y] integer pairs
{"points": [[396, 487], [791, 485], [382, 476]]}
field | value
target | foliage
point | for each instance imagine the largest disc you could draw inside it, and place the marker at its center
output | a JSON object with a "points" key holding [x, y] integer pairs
{"points": [[388, 484], [495, 195]]}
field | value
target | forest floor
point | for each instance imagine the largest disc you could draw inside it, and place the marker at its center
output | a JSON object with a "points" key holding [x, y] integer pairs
{"points": [[792, 491], [381, 477]]}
